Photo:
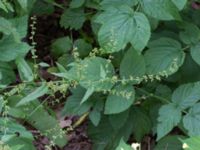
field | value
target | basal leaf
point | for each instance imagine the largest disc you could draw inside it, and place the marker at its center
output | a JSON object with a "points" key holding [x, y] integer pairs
{"points": [[120, 26]]}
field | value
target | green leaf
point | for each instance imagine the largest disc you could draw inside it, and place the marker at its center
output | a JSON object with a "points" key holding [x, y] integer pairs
{"points": [[167, 121], [121, 25], [190, 34], [132, 65], [186, 95], [2, 6], [140, 118], [48, 125], [40, 91], [195, 53], [191, 120], [73, 18], [61, 46], [88, 93], [83, 47], [95, 117], [5, 26], [24, 69], [108, 3], [76, 3], [10, 50], [170, 142], [123, 146], [23, 4], [91, 74], [73, 104], [118, 120], [160, 9], [165, 49], [122, 98], [13, 128], [192, 143], [7, 74], [180, 4]]}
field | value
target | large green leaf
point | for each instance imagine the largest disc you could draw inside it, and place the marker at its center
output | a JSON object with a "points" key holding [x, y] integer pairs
{"points": [[132, 65], [167, 121], [160, 9], [73, 18], [191, 120], [10, 50], [76, 3], [186, 95], [121, 25], [195, 53], [164, 57], [120, 100]]}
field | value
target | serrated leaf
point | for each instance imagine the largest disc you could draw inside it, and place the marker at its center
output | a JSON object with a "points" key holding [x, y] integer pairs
{"points": [[24, 69], [121, 100], [10, 50], [40, 91], [73, 18], [167, 121], [165, 49], [121, 25], [123, 146], [191, 120], [195, 53], [132, 65], [160, 9], [186, 95]]}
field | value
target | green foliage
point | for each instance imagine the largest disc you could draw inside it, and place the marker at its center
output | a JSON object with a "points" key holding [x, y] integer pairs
{"points": [[131, 68]]}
